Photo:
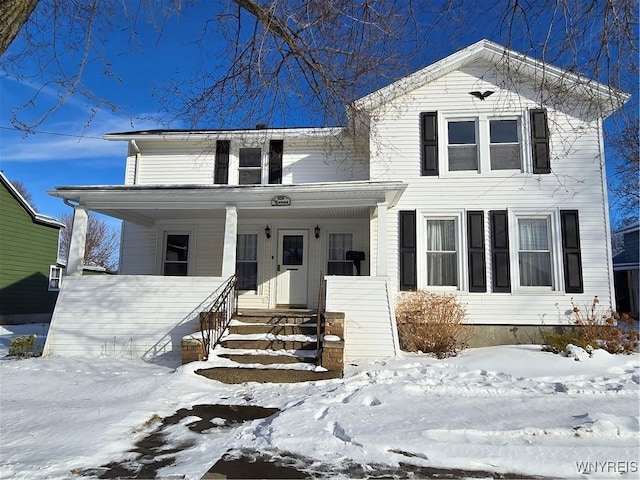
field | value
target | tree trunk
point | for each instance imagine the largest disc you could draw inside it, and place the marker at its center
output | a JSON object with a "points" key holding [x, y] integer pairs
{"points": [[13, 14]]}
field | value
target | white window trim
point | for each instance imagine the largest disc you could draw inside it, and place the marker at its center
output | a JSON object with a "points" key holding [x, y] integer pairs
{"points": [[164, 232], [260, 258], [483, 141], [421, 246], [234, 159], [52, 269], [555, 247], [354, 246]]}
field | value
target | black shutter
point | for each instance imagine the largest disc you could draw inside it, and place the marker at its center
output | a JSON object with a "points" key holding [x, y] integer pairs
{"points": [[540, 141], [408, 250], [500, 271], [276, 148], [475, 252], [221, 173], [429, 143], [571, 255]]}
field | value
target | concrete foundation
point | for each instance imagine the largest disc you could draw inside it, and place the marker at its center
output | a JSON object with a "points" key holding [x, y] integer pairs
{"points": [[491, 335]]}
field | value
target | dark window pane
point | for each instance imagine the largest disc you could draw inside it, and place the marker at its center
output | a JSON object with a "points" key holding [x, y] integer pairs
{"points": [[292, 252], [340, 268], [247, 273], [177, 248], [463, 158], [250, 176], [462, 132], [250, 157], [175, 269], [247, 247], [503, 131], [505, 157]]}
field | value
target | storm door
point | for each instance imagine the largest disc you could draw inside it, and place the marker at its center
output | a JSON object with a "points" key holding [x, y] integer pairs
{"points": [[292, 268]]}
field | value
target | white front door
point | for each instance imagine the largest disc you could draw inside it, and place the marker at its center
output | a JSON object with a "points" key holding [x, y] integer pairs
{"points": [[292, 268]]}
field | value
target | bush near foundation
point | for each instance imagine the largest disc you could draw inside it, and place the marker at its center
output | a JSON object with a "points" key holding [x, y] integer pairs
{"points": [[597, 327], [431, 323], [24, 347]]}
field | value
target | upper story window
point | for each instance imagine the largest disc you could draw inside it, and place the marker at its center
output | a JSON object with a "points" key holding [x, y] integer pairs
{"points": [[504, 145], [463, 146], [248, 162], [484, 143], [250, 166]]}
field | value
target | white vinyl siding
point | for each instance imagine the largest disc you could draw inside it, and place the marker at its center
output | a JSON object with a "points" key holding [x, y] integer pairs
{"points": [[147, 316], [576, 184]]}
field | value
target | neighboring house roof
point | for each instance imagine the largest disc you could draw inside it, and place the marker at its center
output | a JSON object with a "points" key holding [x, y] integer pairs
{"points": [[629, 258], [528, 67], [89, 268], [36, 217]]}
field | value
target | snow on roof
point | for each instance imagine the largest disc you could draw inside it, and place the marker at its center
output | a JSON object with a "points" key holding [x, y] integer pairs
{"points": [[37, 217]]}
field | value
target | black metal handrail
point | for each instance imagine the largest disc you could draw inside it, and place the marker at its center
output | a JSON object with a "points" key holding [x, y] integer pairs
{"points": [[320, 322], [216, 318]]}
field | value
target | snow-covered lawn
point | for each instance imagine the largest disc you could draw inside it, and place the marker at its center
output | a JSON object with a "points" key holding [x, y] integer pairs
{"points": [[501, 409]]}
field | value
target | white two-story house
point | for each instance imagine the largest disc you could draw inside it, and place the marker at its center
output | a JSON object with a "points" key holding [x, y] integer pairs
{"points": [[481, 176]]}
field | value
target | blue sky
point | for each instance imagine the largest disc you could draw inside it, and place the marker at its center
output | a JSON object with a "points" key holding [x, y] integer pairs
{"points": [[68, 149]]}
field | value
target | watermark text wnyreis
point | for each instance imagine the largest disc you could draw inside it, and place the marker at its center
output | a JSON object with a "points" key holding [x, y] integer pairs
{"points": [[607, 467]]}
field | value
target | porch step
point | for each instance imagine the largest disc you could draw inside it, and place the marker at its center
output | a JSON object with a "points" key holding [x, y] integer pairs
{"points": [[284, 341], [265, 375], [267, 359], [277, 316], [266, 344], [242, 328]]}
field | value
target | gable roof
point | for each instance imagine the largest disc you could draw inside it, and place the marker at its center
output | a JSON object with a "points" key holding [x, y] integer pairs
{"points": [[542, 73], [35, 216]]}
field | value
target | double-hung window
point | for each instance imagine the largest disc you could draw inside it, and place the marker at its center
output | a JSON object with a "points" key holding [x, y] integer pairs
{"points": [[176, 258], [534, 252], [250, 166], [339, 245], [462, 145], [247, 261], [504, 145], [55, 278], [442, 252]]}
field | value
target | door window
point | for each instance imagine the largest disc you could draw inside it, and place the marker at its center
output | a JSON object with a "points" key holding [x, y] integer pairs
{"points": [[292, 249]]}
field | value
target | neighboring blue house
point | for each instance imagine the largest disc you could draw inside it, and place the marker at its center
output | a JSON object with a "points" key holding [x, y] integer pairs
{"points": [[626, 271]]}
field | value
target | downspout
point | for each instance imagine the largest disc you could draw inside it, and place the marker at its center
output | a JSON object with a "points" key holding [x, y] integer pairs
{"points": [[607, 221], [134, 145]]}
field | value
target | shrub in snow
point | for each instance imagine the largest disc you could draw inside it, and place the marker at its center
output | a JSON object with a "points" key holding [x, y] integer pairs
{"points": [[24, 347], [431, 323], [597, 327]]}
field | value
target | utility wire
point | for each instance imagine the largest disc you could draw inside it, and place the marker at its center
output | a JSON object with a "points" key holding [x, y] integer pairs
{"points": [[50, 133]]}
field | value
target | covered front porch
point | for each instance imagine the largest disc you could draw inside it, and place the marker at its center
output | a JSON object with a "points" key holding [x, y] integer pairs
{"points": [[280, 240]]}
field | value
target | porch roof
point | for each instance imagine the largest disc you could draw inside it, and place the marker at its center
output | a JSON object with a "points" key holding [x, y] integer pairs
{"points": [[146, 204]]}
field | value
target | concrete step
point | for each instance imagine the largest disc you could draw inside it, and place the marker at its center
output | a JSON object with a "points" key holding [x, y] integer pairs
{"points": [[264, 375], [276, 316], [276, 329], [263, 344], [266, 359]]}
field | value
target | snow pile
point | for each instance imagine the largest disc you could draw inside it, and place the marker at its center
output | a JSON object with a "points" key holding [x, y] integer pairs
{"points": [[510, 409]]}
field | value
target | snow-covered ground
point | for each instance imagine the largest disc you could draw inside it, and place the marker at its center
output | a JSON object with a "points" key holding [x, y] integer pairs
{"points": [[501, 409]]}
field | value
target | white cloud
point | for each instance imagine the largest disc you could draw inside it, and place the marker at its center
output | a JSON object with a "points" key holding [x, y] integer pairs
{"points": [[69, 140]]}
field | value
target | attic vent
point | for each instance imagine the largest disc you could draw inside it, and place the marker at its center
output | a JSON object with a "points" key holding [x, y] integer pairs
{"points": [[261, 126]]}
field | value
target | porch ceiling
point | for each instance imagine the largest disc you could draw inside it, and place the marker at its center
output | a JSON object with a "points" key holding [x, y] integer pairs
{"points": [[147, 204]]}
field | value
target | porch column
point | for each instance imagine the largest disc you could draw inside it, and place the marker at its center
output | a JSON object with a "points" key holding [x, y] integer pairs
{"points": [[381, 260], [77, 245], [230, 240]]}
